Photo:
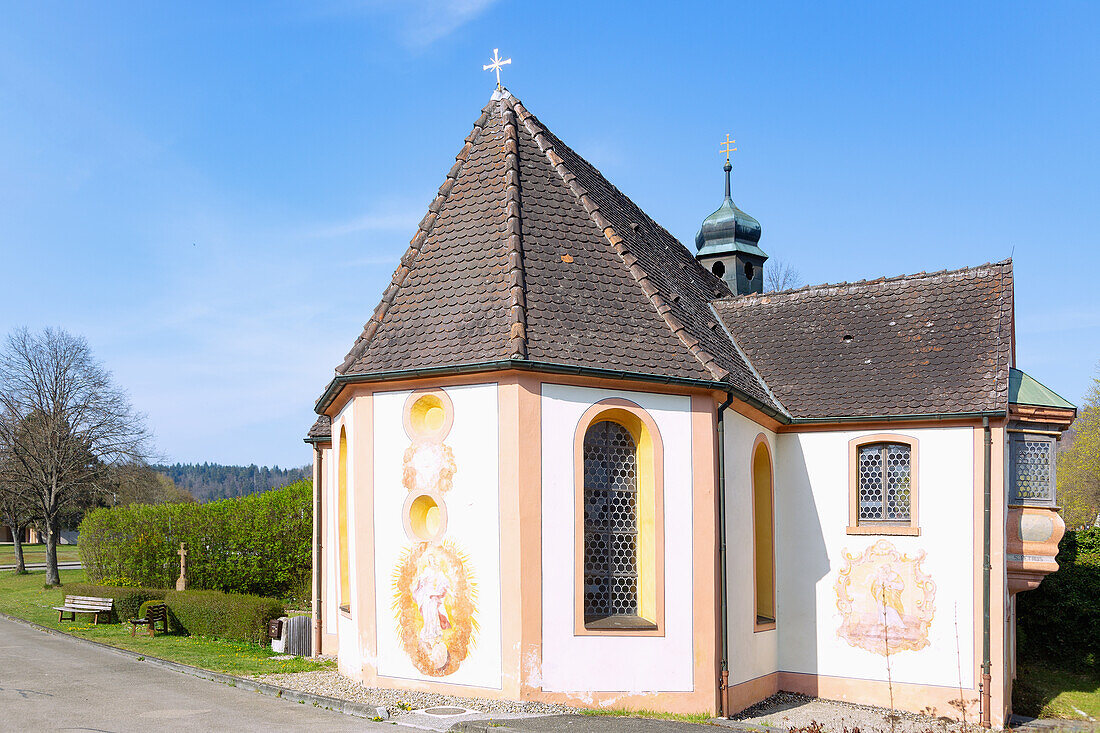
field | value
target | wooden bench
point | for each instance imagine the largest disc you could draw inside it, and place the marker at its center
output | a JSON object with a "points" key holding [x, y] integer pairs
{"points": [[155, 615], [85, 604]]}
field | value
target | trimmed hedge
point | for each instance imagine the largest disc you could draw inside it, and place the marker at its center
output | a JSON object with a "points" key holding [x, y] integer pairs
{"points": [[1059, 621], [222, 615], [259, 544], [128, 601]]}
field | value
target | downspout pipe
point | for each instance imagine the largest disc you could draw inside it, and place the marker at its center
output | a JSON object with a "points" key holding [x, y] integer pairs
{"points": [[723, 670], [318, 472], [986, 568]]}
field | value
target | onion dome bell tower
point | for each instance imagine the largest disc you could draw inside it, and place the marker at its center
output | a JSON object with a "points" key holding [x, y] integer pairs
{"points": [[727, 244]]}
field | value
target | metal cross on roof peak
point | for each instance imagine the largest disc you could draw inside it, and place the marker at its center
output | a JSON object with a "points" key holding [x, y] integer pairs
{"points": [[728, 147], [497, 62]]}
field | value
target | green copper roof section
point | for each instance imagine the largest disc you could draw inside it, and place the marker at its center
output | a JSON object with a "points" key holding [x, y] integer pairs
{"points": [[1023, 389]]}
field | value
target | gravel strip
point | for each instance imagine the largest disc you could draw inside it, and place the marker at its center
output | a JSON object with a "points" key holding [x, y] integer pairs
{"points": [[787, 709], [331, 683]]}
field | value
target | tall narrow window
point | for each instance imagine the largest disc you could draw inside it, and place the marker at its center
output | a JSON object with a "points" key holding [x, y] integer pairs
{"points": [[342, 523], [763, 535], [610, 522]]}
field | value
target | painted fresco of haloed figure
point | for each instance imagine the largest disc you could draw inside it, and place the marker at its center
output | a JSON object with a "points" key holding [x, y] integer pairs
{"points": [[886, 602], [435, 595]]}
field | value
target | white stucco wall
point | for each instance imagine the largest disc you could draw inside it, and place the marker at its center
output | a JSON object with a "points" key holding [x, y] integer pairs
{"points": [[812, 516], [751, 654], [349, 654], [473, 525], [614, 663]]}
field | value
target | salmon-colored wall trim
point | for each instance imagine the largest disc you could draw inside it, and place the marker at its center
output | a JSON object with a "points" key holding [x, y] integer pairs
{"points": [[704, 473], [350, 390], [330, 644], [928, 699], [761, 442], [363, 457], [854, 526], [529, 442], [613, 409], [753, 691], [511, 547], [1001, 684], [979, 550], [757, 416]]}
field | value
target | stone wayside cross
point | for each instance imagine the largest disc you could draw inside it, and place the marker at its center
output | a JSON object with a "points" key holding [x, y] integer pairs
{"points": [[181, 584]]}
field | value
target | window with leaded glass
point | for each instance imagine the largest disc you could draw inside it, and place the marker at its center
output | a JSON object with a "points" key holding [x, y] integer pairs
{"points": [[885, 483], [610, 522], [1032, 461]]}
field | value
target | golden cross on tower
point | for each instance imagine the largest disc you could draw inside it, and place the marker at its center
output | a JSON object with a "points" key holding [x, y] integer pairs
{"points": [[497, 63], [728, 147]]}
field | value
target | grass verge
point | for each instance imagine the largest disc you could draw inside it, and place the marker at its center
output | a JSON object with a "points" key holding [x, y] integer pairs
{"points": [[701, 718], [37, 554], [1044, 692], [25, 597]]}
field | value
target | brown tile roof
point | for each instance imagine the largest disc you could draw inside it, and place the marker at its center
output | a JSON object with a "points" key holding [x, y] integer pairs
{"points": [[913, 345], [320, 431], [529, 254]]}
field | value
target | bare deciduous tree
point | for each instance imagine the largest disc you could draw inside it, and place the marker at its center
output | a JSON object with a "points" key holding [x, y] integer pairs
{"points": [[17, 513], [65, 425], [779, 275]]}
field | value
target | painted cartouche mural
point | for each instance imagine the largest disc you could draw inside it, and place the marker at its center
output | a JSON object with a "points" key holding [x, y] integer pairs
{"points": [[435, 597], [886, 602]]}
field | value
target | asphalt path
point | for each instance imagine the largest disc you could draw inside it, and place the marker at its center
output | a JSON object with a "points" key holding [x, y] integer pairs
{"points": [[55, 683]]}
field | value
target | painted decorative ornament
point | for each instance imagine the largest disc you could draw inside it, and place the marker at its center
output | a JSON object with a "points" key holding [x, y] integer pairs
{"points": [[435, 596], [886, 602]]}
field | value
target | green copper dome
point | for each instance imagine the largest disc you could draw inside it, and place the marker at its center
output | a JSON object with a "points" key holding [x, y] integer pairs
{"points": [[729, 229]]}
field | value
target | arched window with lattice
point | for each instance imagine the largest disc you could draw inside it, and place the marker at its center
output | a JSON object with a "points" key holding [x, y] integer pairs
{"points": [[619, 520], [610, 522]]}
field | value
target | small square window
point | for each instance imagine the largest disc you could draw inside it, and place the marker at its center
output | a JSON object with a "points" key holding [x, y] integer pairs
{"points": [[1032, 460], [885, 484]]}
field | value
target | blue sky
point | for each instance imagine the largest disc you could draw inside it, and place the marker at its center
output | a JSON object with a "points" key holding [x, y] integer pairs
{"points": [[215, 194]]}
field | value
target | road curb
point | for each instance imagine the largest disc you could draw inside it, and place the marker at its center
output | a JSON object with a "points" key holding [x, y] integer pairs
{"points": [[481, 726], [346, 707]]}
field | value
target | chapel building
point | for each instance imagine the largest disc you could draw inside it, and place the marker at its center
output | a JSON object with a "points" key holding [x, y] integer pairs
{"points": [[569, 461]]}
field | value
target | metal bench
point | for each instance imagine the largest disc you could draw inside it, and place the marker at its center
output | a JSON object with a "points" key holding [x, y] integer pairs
{"points": [[85, 604], [155, 615]]}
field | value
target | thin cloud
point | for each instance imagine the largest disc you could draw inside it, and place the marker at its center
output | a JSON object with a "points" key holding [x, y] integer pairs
{"points": [[419, 23], [373, 222]]}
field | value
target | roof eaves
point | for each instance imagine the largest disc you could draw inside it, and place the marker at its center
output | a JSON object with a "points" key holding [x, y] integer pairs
{"points": [[340, 380], [924, 416], [424, 228], [619, 245]]}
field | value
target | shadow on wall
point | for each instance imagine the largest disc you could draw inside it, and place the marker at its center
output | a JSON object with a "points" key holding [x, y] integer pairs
{"points": [[802, 561]]}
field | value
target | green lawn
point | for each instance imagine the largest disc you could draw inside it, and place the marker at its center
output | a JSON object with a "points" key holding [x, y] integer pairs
{"points": [[25, 597], [37, 553], [1044, 692]]}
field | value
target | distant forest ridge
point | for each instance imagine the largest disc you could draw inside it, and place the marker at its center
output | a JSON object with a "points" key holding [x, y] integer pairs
{"points": [[211, 481]]}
